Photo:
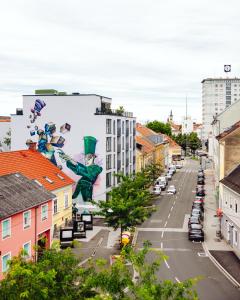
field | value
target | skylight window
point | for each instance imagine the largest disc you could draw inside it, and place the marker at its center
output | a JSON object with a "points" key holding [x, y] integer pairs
{"points": [[35, 180], [48, 179], [60, 176]]}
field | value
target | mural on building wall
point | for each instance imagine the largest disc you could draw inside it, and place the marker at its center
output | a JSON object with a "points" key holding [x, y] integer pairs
{"points": [[89, 171], [48, 139]]}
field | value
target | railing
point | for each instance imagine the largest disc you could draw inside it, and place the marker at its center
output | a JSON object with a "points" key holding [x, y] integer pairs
{"points": [[114, 112]]}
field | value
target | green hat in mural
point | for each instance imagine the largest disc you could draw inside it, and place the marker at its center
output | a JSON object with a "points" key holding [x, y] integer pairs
{"points": [[89, 145]]}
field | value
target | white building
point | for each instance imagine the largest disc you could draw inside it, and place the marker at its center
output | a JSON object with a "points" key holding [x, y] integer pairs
{"points": [[4, 131], [230, 204], [187, 125], [217, 94], [86, 129]]}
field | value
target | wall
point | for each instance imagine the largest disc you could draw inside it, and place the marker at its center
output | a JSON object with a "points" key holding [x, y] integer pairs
{"points": [[232, 153], [20, 236], [4, 128], [63, 213]]}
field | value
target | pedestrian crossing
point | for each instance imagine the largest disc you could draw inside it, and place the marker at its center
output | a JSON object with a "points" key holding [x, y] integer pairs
{"points": [[188, 171]]}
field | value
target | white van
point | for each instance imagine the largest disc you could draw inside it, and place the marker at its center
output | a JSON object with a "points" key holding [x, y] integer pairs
{"points": [[157, 190]]}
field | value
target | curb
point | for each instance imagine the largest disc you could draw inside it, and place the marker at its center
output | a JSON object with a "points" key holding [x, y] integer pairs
{"points": [[220, 267]]}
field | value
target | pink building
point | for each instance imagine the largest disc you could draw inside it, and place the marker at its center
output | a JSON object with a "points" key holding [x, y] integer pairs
{"points": [[25, 218]]}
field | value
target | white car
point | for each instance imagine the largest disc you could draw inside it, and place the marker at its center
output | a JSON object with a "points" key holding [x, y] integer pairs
{"points": [[171, 189], [178, 166], [169, 176], [157, 190]]}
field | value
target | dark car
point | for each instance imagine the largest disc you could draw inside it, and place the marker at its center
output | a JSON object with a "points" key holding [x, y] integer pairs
{"points": [[201, 174], [193, 220], [200, 193], [195, 227], [199, 201], [200, 182], [196, 235]]}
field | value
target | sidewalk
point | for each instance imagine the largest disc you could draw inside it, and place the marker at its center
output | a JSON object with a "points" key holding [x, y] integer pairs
{"points": [[218, 250]]}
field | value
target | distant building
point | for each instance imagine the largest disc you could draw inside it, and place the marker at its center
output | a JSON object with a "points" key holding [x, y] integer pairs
{"points": [[176, 129], [25, 217], [81, 134], [187, 125], [217, 94]]}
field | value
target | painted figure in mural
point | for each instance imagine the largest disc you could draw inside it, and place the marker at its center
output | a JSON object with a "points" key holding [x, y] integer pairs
{"points": [[89, 171]]}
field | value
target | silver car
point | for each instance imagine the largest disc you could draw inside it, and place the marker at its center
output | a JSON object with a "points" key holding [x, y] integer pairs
{"points": [[171, 189]]}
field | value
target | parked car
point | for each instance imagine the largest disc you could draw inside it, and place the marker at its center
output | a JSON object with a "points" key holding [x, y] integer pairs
{"points": [[195, 227], [156, 190], [196, 235], [197, 213], [171, 189], [200, 181], [201, 174], [179, 166], [198, 206], [161, 184], [200, 193], [182, 157], [200, 198], [169, 176], [194, 220], [199, 201]]}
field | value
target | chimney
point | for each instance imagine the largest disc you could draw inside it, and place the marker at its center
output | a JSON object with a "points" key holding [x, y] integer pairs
{"points": [[31, 145]]}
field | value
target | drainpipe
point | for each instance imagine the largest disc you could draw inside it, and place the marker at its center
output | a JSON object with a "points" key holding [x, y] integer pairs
{"points": [[35, 242]]}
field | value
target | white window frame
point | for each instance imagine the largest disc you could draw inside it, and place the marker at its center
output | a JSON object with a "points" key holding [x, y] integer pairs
{"points": [[54, 206], [66, 195], [7, 236], [42, 212], [9, 253], [30, 252], [235, 234], [29, 225]]}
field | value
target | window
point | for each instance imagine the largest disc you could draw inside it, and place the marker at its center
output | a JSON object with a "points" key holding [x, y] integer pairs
{"points": [[55, 206], [6, 228], [235, 234], [108, 161], [108, 126], [114, 161], [114, 127], [122, 127], [26, 219], [5, 259], [123, 143], [35, 180], [236, 208], [108, 144], [60, 176], [65, 200], [27, 249], [44, 212], [114, 146], [108, 179], [48, 179]]}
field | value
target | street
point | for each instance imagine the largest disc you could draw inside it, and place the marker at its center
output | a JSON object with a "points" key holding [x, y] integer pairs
{"points": [[167, 229]]}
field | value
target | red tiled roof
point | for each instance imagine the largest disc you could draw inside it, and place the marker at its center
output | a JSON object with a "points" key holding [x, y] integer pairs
{"points": [[5, 119], [147, 146], [172, 143], [228, 131], [33, 165], [176, 127], [143, 130]]}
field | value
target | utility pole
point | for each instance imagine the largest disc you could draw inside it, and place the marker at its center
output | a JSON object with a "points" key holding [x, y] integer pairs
{"points": [[186, 133]]}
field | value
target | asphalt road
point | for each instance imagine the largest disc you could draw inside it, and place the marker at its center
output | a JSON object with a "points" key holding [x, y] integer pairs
{"points": [[167, 231]]}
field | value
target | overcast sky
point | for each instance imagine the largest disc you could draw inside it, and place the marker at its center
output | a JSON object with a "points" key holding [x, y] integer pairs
{"points": [[144, 54]]}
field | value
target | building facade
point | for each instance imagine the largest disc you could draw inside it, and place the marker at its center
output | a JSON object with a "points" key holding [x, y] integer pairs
{"points": [[81, 135], [36, 167], [25, 218], [187, 125], [217, 94], [4, 133]]}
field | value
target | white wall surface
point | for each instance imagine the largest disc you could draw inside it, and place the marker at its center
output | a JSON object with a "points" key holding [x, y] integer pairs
{"points": [[4, 128]]}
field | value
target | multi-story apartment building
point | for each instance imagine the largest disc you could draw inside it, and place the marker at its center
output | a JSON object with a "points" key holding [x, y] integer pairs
{"points": [[217, 94], [4, 133], [82, 135]]}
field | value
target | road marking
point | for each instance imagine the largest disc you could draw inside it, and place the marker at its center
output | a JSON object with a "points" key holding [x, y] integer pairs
{"points": [[165, 224], [177, 279], [171, 208], [168, 216], [162, 234], [161, 245], [167, 265], [174, 202]]}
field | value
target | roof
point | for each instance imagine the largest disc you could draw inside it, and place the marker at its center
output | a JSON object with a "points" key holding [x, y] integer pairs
{"points": [[171, 142], [147, 147], [219, 79], [33, 165], [229, 130], [149, 134], [232, 180], [143, 130], [73, 95], [18, 193], [176, 127], [5, 119], [196, 126]]}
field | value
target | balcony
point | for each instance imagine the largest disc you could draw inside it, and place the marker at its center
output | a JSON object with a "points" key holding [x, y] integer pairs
{"points": [[119, 164], [134, 131], [118, 148], [127, 146], [127, 161], [113, 112], [127, 131], [119, 131]]}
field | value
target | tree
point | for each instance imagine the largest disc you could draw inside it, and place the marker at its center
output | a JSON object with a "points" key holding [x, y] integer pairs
{"points": [[152, 172], [194, 142], [58, 275], [120, 110], [126, 206], [160, 127], [7, 138]]}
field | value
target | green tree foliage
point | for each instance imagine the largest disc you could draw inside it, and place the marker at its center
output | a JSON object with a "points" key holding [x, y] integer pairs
{"points": [[7, 138], [127, 204], [190, 140], [152, 172], [58, 275], [160, 127]]}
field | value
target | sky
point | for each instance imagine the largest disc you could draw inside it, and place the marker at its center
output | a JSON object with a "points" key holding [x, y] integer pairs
{"points": [[147, 55]]}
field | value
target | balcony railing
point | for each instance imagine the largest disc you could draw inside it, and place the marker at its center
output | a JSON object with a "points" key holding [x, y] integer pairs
{"points": [[127, 131], [118, 148], [113, 112], [127, 146], [119, 132], [119, 164]]}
